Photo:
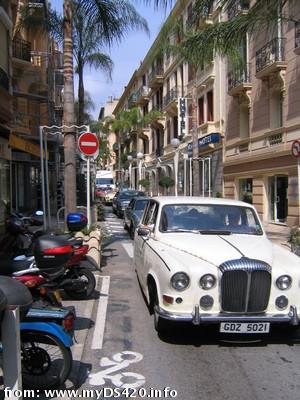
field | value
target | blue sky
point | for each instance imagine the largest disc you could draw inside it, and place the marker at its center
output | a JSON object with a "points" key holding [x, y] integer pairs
{"points": [[126, 57]]}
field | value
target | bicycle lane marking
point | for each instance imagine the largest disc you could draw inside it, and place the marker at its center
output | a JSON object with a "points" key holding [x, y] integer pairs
{"points": [[99, 327]]}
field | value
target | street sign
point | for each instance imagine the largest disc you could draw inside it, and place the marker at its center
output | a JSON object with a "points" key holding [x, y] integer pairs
{"points": [[296, 148], [88, 144]]}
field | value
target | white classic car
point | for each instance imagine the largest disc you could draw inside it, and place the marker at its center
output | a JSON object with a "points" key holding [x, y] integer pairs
{"points": [[206, 260]]}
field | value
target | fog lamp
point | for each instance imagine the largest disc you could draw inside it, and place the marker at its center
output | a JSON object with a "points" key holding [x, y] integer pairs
{"points": [[281, 302], [206, 302]]}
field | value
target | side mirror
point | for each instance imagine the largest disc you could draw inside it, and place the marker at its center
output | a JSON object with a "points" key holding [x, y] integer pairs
{"points": [[39, 213], [142, 231]]}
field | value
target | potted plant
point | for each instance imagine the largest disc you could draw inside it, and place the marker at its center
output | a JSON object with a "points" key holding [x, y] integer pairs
{"points": [[294, 240], [166, 182], [145, 183]]}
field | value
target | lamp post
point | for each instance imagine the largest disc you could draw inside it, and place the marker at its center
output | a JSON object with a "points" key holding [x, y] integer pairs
{"points": [[175, 142], [139, 156], [129, 158]]}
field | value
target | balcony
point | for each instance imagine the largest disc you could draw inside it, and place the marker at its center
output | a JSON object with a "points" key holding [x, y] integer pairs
{"points": [[142, 95], [156, 77], [238, 7], [132, 100], [239, 80], [170, 100], [21, 50], [270, 58], [297, 38], [4, 79]]}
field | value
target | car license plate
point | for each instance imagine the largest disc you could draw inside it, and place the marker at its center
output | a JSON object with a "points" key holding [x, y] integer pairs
{"points": [[245, 327]]}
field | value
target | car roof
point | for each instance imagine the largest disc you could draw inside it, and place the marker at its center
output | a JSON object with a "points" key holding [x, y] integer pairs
{"points": [[142, 198], [164, 200]]}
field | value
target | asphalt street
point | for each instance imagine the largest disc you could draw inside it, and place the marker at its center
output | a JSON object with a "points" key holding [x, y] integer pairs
{"points": [[123, 350]]}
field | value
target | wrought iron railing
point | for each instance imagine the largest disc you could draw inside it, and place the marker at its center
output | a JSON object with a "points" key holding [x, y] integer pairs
{"points": [[238, 7], [157, 107], [4, 79], [272, 52], [170, 96], [21, 49], [297, 34], [132, 99], [143, 91], [239, 76], [157, 71]]}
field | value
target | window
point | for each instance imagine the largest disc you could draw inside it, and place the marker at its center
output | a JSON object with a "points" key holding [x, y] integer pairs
{"points": [[191, 72], [150, 213], [244, 121], [276, 109], [190, 117], [201, 111], [144, 80], [210, 106], [175, 127], [168, 132]]}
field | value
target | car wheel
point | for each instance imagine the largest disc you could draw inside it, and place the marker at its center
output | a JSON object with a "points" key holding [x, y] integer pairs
{"points": [[161, 325]]}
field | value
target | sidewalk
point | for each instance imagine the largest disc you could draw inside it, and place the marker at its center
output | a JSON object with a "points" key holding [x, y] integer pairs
{"points": [[278, 234]]}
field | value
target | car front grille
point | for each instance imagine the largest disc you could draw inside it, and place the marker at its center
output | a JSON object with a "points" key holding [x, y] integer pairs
{"points": [[245, 285]]}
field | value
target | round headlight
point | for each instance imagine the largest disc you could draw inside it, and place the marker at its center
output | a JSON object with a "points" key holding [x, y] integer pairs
{"points": [[207, 281], [180, 281], [284, 282], [281, 302]]}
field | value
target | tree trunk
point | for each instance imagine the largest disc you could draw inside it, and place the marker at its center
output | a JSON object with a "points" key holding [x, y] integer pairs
{"points": [[69, 115], [80, 95], [196, 169]]}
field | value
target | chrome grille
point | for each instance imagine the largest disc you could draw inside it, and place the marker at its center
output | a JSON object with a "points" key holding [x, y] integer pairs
{"points": [[245, 285]]}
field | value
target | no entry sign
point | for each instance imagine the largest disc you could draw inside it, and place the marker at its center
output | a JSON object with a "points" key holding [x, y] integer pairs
{"points": [[296, 148], [88, 144]]}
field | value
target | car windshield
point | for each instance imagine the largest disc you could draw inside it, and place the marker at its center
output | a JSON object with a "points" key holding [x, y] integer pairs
{"points": [[104, 181], [128, 195], [210, 219]]}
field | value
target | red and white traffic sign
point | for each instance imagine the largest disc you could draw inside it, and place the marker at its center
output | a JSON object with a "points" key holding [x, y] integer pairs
{"points": [[296, 148], [88, 144]]}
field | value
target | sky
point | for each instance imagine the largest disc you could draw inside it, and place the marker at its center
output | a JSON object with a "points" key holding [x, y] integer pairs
{"points": [[126, 57]]}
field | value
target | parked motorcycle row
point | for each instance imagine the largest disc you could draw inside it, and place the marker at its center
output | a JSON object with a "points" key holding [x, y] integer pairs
{"points": [[34, 267]]}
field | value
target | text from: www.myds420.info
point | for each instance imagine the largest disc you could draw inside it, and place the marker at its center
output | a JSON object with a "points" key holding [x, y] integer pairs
{"points": [[103, 393]]}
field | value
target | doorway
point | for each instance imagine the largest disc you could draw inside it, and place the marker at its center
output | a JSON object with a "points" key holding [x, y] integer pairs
{"points": [[278, 200]]}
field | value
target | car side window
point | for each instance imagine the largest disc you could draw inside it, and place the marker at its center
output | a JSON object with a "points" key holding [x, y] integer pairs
{"points": [[150, 213], [131, 204]]}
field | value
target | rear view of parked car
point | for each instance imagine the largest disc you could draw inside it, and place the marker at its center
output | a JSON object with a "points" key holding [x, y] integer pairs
{"points": [[123, 200], [133, 213]]}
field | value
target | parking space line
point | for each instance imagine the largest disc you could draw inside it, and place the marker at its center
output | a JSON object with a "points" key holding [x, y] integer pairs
{"points": [[99, 327], [129, 249]]}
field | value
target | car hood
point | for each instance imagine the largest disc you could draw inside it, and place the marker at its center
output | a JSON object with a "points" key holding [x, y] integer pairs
{"points": [[216, 249]]}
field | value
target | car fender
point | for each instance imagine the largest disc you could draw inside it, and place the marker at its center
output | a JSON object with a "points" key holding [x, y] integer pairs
{"points": [[48, 327]]}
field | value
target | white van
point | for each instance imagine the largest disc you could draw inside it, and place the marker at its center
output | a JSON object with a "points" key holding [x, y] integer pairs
{"points": [[105, 180]]}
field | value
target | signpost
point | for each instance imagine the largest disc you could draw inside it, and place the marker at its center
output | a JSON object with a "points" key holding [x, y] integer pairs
{"points": [[88, 145], [296, 153]]}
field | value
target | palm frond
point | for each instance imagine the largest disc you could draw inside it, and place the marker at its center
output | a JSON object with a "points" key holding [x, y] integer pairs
{"points": [[101, 61]]}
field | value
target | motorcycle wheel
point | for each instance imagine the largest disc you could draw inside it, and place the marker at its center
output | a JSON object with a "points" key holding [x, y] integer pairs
{"points": [[46, 362], [88, 277]]}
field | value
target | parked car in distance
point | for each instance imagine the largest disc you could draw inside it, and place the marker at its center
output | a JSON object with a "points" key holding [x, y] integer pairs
{"points": [[133, 213], [123, 200], [209, 261]]}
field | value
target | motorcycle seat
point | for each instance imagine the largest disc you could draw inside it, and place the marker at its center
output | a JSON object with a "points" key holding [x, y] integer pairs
{"points": [[15, 292], [8, 267]]}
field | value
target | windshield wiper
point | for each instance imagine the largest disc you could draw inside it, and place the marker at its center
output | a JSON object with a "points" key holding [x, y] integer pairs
{"points": [[214, 232]]}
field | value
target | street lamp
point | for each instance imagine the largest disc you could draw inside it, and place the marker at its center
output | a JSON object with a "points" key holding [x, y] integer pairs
{"points": [[129, 158], [139, 156], [175, 142]]}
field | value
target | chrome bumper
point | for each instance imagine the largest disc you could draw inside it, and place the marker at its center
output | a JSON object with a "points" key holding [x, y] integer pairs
{"points": [[197, 319]]}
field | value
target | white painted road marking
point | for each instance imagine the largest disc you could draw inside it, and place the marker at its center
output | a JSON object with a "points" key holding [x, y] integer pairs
{"points": [[129, 249], [88, 144], [101, 315], [118, 362]]}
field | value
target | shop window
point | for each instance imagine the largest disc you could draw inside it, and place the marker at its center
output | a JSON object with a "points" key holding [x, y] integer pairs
{"points": [[210, 106], [245, 190], [201, 111]]}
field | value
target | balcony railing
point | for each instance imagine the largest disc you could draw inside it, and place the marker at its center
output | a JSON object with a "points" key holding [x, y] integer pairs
{"points": [[270, 53], [22, 49], [238, 7], [143, 92], [297, 34], [239, 77], [170, 96], [4, 79], [156, 72]]}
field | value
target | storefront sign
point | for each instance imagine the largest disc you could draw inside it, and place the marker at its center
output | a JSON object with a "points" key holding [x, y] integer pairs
{"points": [[204, 141], [24, 145]]}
